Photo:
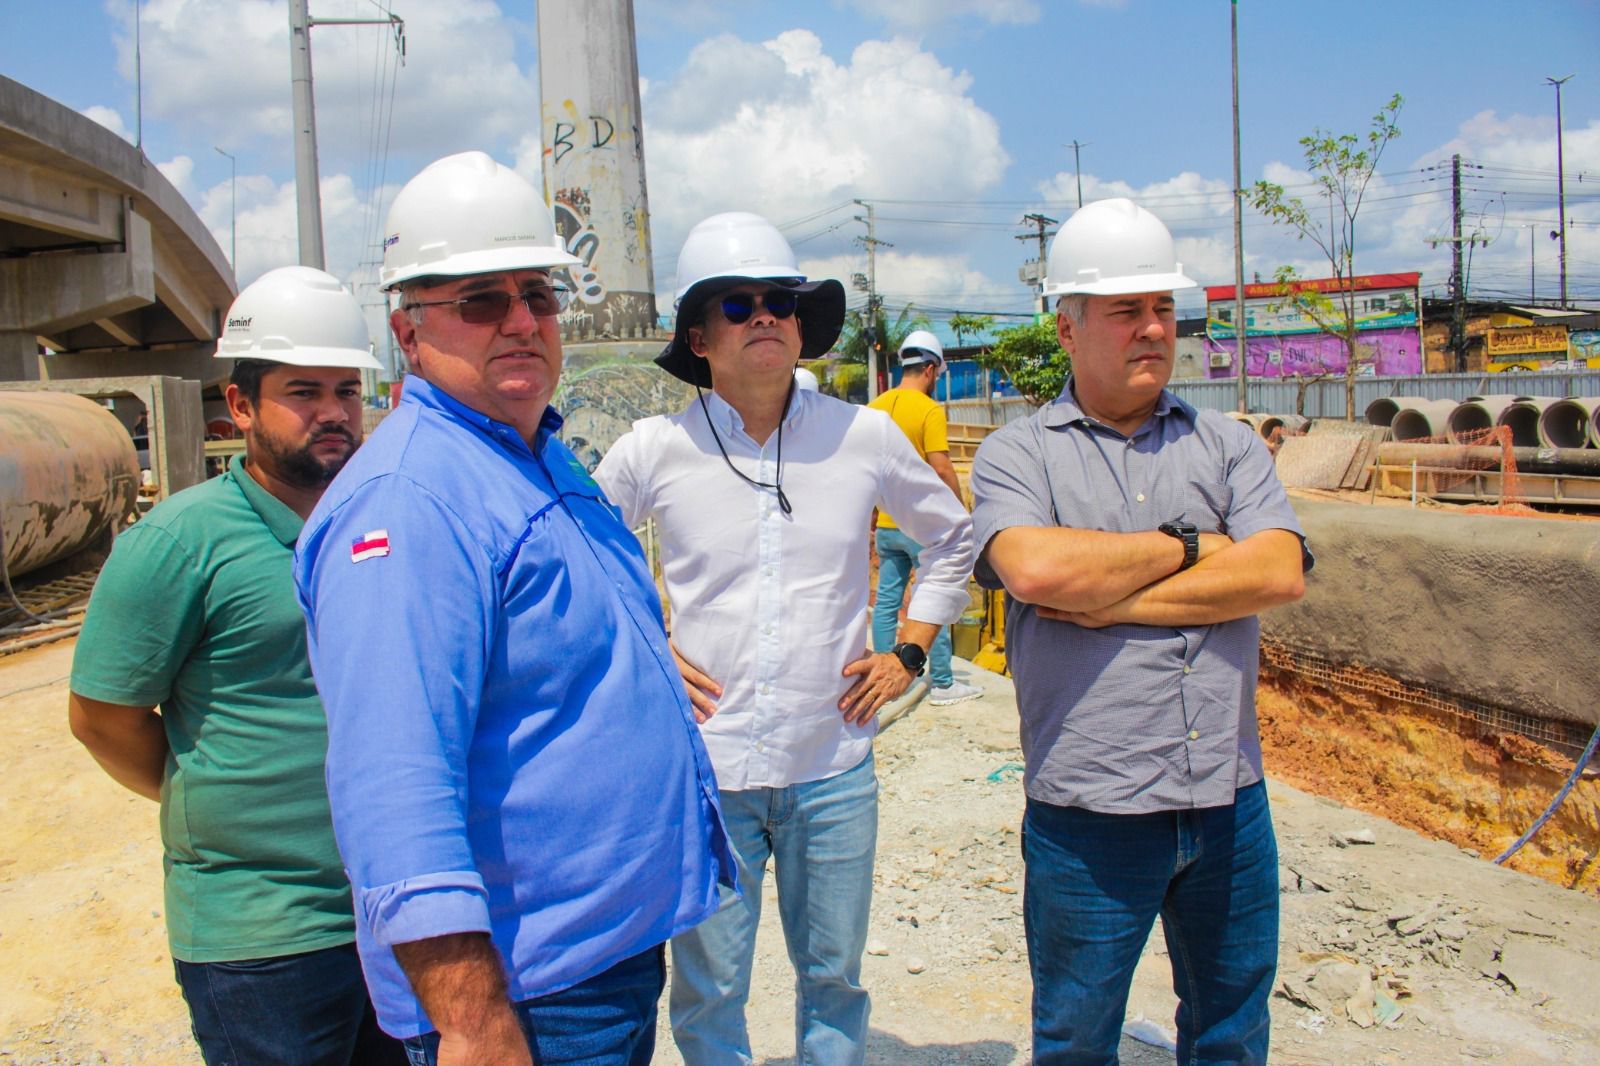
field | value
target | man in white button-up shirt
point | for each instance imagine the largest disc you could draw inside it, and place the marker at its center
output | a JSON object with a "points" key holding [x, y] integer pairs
{"points": [[762, 495]]}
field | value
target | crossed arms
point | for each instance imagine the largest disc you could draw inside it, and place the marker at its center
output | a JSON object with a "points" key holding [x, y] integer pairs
{"points": [[1096, 579]]}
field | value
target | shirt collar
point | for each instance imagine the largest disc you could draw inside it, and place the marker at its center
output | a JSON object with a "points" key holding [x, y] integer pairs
{"points": [[724, 416], [419, 391], [277, 516], [1064, 409]]}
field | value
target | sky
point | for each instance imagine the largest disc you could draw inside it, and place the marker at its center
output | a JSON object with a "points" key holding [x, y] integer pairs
{"points": [[954, 118]]}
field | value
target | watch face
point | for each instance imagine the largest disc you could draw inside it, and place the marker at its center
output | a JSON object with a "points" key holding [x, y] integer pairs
{"points": [[911, 656]]}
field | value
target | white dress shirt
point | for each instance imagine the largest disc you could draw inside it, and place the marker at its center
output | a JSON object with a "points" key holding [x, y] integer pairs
{"points": [[773, 606]]}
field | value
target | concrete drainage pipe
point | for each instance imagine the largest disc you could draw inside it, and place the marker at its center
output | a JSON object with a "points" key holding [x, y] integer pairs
{"points": [[1523, 418], [1569, 423], [1476, 415], [1427, 419]]}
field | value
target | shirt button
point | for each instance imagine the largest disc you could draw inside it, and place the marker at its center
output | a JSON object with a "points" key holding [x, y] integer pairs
{"points": [[1188, 669], [1140, 497], [1194, 734], [760, 746], [766, 690]]}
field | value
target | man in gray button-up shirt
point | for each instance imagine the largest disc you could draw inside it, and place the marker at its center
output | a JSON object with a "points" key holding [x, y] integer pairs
{"points": [[1137, 539]]}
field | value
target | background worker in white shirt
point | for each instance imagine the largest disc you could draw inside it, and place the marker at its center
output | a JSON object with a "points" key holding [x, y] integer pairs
{"points": [[762, 494]]}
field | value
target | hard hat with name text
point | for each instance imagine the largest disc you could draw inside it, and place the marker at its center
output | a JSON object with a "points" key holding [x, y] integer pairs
{"points": [[466, 214], [297, 315]]}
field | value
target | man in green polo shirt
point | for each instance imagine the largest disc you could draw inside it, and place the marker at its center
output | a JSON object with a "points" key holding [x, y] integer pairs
{"points": [[191, 686]]}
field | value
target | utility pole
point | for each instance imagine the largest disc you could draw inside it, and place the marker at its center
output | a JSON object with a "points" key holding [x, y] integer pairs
{"points": [[1077, 165], [1042, 222], [1561, 188], [873, 303], [308, 192], [1239, 322], [1458, 288]]}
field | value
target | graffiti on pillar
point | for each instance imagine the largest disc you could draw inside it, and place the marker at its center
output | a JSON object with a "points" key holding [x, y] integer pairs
{"points": [[601, 132], [581, 239]]}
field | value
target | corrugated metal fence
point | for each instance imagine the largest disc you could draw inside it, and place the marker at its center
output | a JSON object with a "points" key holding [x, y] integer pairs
{"points": [[1324, 399]]}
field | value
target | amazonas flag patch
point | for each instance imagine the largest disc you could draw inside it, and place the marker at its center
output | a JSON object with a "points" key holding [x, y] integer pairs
{"points": [[370, 545]]}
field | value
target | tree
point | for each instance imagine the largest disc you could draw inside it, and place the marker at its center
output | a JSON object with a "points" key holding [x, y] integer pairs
{"points": [[852, 346], [1343, 165], [963, 324], [1030, 356]]}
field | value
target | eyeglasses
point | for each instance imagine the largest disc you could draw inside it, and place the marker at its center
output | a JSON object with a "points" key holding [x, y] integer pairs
{"points": [[737, 307], [491, 308]]}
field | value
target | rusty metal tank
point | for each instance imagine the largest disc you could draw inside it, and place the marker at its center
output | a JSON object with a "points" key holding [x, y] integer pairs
{"points": [[68, 477]]}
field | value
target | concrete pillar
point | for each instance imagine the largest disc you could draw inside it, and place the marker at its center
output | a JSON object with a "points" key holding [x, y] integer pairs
{"points": [[19, 356], [594, 160]]}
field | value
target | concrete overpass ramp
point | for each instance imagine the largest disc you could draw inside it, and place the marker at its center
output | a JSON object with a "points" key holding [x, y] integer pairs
{"points": [[101, 259]]}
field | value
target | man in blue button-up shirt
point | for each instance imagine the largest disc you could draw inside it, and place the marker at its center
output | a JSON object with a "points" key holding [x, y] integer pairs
{"points": [[1138, 539], [520, 795]]}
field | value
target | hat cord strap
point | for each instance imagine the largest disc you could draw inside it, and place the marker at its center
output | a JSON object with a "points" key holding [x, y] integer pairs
{"points": [[783, 501]]}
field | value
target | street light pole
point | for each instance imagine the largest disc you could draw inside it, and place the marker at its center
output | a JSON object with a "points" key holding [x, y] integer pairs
{"points": [[233, 214], [1561, 187]]}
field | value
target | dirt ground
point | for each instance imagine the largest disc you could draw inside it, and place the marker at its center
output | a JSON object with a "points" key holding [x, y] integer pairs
{"points": [[1395, 948]]}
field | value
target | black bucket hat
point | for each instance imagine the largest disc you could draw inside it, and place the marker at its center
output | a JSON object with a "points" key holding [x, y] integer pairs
{"points": [[821, 313]]}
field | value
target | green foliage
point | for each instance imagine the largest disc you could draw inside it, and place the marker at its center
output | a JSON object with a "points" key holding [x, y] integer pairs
{"points": [[853, 340], [1031, 358], [1343, 166], [848, 381], [963, 324]]}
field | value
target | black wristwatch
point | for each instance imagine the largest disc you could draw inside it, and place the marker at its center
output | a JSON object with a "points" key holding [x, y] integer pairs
{"points": [[1189, 533], [912, 657]]}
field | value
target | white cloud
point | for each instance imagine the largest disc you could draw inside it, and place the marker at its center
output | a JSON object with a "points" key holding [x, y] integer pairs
{"points": [[793, 131], [111, 119], [179, 171]]}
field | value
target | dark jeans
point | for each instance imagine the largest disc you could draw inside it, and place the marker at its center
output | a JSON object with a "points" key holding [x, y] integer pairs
{"points": [[292, 1010], [1095, 883], [608, 1020]]}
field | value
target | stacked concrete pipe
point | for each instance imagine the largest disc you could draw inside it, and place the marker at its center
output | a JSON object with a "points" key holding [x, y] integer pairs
{"points": [[1523, 418], [1476, 415], [1283, 425], [1569, 423], [1385, 409], [1423, 420]]}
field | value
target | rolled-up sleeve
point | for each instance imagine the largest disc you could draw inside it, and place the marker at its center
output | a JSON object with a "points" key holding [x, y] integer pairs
{"points": [[928, 512], [401, 607]]}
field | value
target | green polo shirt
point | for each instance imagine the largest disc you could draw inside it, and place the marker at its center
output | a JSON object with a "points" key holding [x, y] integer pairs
{"points": [[195, 611]]}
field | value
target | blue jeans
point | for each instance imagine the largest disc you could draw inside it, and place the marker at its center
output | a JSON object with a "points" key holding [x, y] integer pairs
{"points": [[607, 1020], [1095, 883], [309, 1009], [821, 836], [897, 557]]}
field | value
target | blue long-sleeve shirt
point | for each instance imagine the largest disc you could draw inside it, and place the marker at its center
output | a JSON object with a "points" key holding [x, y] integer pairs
{"points": [[510, 747]]}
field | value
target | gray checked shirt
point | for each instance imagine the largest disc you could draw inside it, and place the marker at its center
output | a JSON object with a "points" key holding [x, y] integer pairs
{"points": [[1131, 719]]}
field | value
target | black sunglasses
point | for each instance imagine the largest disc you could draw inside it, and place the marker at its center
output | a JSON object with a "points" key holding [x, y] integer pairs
{"points": [[737, 307], [491, 308]]}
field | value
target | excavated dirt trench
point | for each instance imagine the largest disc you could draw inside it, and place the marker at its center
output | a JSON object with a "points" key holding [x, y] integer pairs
{"points": [[1433, 772]]}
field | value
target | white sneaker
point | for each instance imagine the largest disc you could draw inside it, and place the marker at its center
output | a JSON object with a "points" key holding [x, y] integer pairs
{"points": [[955, 692]]}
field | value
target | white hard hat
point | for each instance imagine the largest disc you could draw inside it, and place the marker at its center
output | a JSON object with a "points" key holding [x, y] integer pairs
{"points": [[736, 246], [920, 346], [466, 214], [1113, 248], [805, 380], [297, 315]]}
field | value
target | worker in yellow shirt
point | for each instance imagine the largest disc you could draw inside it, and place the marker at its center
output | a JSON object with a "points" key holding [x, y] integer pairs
{"points": [[914, 410]]}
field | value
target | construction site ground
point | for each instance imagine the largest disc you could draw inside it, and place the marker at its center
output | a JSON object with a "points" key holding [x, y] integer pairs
{"points": [[1396, 948]]}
